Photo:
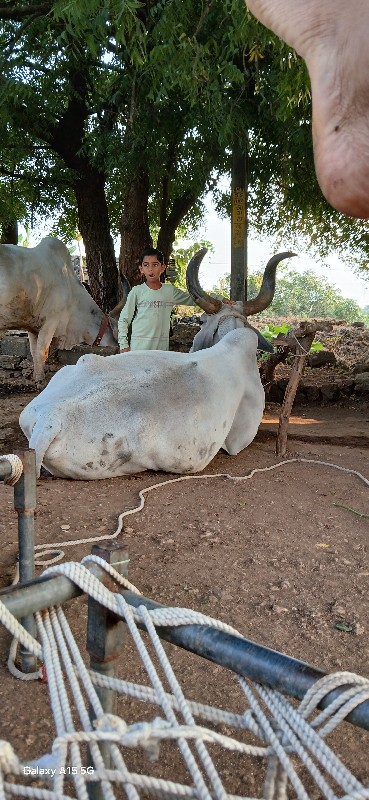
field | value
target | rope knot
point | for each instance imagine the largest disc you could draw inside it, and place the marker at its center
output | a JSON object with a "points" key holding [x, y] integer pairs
{"points": [[9, 761], [148, 735], [16, 466], [110, 723]]}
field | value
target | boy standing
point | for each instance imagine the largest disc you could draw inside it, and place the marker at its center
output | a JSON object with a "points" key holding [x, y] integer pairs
{"points": [[149, 306]]}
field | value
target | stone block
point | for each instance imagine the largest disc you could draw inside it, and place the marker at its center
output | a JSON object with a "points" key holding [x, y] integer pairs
{"points": [[312, 393], [15, 345], [362, 366], [71, 356], [9, 362], [362, 383], [321, 359], [275, 394], [330, 391], [347, 386]]}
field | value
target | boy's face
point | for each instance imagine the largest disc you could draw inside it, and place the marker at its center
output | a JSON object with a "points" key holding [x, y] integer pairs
{"points": [[151, 268]]}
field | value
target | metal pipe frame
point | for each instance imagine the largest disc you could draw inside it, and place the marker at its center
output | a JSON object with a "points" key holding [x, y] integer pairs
{"points": [[105, 639], [242, 656], [25, 506]]}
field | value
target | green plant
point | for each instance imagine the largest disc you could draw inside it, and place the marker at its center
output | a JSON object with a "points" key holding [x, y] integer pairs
{"points": [[272, 331]]}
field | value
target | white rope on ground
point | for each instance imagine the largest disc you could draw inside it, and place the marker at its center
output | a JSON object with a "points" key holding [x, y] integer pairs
{"points": [[286, 737], [59, 554], [208, 476]]}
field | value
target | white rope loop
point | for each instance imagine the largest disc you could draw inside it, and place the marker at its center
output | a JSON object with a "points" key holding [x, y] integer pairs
{"points": [[59, 554], [281, 729], [16, 469]]}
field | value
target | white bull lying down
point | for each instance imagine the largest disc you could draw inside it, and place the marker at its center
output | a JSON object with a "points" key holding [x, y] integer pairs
{"points": [[157, 410], [40, 293], [104, 417]]}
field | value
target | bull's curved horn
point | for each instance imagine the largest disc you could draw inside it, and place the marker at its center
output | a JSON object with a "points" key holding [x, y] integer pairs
{"points": [[209, 304], [267, 289]]}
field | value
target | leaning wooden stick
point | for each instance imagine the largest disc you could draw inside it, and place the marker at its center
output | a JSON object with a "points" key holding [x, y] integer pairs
{"points": [[301, 352], [298, 342]]}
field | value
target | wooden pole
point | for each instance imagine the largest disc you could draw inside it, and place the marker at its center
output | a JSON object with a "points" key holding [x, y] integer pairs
{"points": [[301, 354], [239, 223]]}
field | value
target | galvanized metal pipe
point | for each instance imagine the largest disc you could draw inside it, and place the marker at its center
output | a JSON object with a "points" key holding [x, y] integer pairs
{"points": [[5, 470], [105, 639], [25, 506], [242, 656]]}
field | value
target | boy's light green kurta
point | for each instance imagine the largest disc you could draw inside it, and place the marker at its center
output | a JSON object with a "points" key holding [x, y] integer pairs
{"points": [[150, 311]]}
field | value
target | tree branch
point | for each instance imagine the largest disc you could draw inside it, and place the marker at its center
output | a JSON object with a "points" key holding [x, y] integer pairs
{"points": [[202, 19], [12, 42], [16, 14], [172, 147]]}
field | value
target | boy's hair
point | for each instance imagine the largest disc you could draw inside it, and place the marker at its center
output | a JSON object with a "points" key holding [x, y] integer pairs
{"points": [[152, 251]]}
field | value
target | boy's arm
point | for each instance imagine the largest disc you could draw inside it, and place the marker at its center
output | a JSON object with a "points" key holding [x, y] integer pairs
{"points": [[181, 298], [125, 318], [185, 299]]}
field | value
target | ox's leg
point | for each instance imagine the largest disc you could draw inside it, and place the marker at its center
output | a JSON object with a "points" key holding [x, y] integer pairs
{"points": [[38, 367], [39, 346], [247, 419], [332, 36]]}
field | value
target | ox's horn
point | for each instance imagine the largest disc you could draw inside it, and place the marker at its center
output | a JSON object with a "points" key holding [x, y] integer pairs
{"points": [[267, 289], [209, 304]]}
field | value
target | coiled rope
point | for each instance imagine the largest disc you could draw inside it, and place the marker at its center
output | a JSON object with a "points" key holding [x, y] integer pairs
{"points": [[16, 469]]}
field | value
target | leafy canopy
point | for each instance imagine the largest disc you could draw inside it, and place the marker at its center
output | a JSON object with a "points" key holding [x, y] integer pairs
{"points": [[303, 295]]}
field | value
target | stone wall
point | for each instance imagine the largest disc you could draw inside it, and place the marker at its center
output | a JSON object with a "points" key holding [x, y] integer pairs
{"points": [[338, 373]]}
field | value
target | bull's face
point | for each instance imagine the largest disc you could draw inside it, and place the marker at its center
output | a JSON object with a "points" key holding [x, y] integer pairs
{"points": [[231, 317]]}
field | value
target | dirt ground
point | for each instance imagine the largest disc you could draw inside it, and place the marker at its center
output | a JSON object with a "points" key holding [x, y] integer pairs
{"points": [[282, 557]]}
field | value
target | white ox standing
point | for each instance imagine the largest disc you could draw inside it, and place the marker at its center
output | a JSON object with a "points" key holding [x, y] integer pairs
{"points": [[105, 417], [40, 293]]}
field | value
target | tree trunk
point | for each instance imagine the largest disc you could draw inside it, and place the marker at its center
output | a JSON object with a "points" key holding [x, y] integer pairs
{"points": [[165, 241], [9, 234], [67, 138], [170, 222], [134, 228], [94, 226]]}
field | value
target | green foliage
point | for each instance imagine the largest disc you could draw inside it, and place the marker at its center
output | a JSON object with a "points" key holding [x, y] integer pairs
{"points": [[155, 87], [182, 257], [223, 286], [302, 295], [316, 347], [271, 331], [166, 88], [308, 295], [23, 238]]}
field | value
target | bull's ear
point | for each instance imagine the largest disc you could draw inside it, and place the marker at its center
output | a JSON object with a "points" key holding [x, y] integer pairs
{"points": [[263, 343], [114, 327]]}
